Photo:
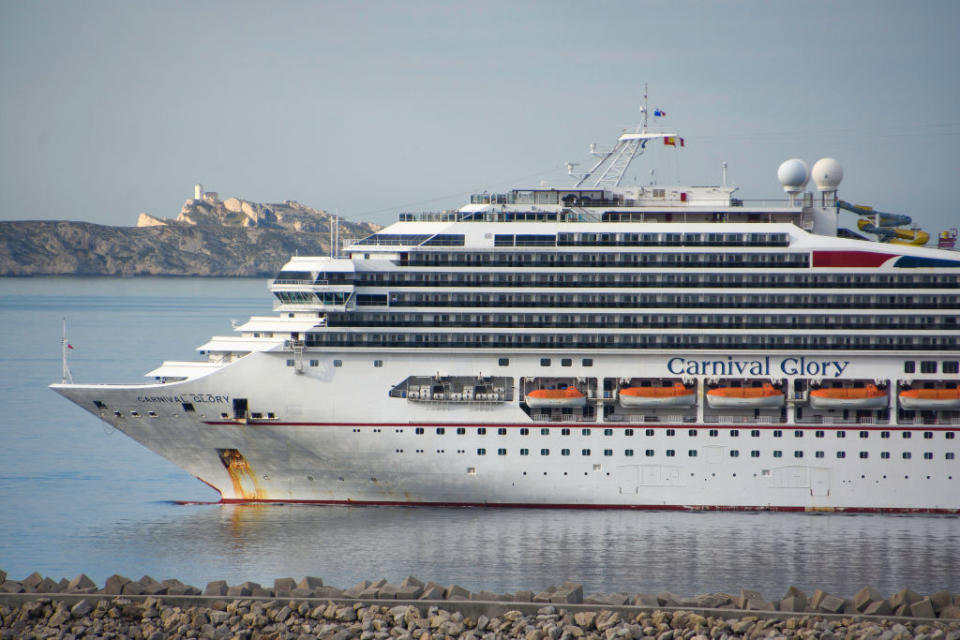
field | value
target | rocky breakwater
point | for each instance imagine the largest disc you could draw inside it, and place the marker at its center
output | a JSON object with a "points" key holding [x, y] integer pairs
{"points": [[412, 609]]}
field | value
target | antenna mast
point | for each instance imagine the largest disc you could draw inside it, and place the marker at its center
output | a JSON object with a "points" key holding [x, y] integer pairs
{"points": [[65, 376]]}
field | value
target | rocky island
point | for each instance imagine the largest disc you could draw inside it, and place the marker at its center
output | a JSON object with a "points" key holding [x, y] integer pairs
{"points": [[210, 237]]}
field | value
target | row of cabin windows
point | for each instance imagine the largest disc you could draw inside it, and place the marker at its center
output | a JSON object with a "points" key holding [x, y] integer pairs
{"points": [[930, 366], [601, 260], [624, 279], [600, 340], [633, 320], [734, 433], [734, 453], [642, 240], [676, 300]]}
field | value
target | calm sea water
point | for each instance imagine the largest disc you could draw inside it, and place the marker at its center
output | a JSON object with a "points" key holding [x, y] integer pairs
{"points": [[78, 497]]}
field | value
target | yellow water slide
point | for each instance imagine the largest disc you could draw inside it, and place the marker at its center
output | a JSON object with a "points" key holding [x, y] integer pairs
{"points": [[888, 227]]}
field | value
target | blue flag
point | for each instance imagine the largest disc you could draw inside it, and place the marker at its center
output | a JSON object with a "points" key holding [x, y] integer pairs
{"points": [[659, 112]]}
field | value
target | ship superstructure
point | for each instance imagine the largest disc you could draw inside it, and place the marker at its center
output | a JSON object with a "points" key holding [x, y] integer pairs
{"points": [[598, 346]]}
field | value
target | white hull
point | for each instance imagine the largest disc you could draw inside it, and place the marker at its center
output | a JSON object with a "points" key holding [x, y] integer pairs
{"points": [[330, 443], [928, 404], [555, 403], [728, 402]]}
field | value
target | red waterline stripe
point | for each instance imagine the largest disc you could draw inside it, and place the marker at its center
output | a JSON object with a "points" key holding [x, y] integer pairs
{"points": [[594, 425], [593, 507]]}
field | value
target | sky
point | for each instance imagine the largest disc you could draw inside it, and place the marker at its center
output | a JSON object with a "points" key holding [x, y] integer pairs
{"points": [[367, 109]]}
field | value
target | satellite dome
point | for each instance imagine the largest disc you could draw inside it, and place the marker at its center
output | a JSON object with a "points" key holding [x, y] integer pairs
{"points": [[793, 175], [827, 173]]}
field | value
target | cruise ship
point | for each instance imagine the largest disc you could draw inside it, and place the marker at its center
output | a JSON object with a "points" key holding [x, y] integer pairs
{"points": [[598, 346]]}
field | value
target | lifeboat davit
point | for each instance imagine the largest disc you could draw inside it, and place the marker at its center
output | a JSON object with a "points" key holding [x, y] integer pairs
{"points": [[869, 397], [930, 398], [646, 397], [765, 397], [555, 398]]}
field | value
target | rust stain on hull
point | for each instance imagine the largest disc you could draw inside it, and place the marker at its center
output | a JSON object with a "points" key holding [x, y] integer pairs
{"points": [[241, 475]]}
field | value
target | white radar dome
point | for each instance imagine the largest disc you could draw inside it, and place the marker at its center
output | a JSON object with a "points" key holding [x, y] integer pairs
{"points": [[793, 175], [827, 173]]}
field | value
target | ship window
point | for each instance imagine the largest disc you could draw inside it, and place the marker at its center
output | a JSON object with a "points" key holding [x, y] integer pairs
{"points": [[907, 455], [734, 453], [545, 431], [819, 454], [502, 431], [628, 453], [314, 363], [754, 454], [524, 452], [671, 453], [503, 362], [338, 363], [906, 435], [378, 363], [501, 452], [648, 432], [778, 454], [587, 362], [777, 433], [289, 363], [524, 431], [566, 362], [461, 431], [564, 452], [585, 452], [864, 434], [481, 452], [544, 362], [755, 433], [928, 435], [884, 434], [608, 452], [841, 434], [692, 432], [885, 455], [692, 453], [909, 366], [440, 431], [864, 455], [928, 455], [188, 407], [628, 432], [798, 434], [714, 432], [564, 431], [481, 431], [671, 432], [734, 433], [608, 432], [585, 432], [544, 452], [418, 431], [948, 435], [948, 455], [798, 454], [951, 366], [648, 453], [928, 366]]}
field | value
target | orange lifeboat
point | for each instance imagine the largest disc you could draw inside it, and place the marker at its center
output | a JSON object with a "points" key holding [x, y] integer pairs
{"points": [[869, 397], [930, 398], [765, 397], [555, 398], [643, 397]]}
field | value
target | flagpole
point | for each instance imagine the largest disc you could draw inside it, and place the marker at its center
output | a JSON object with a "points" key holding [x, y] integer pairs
{"points": [[65, 373]]}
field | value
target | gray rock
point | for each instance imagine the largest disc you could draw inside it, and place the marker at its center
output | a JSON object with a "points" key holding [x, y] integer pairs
{"points": [[82, 581], [48, 586], [31, 581], [411, 581], [432, 592], [923, 609], [283, 586], [216, 588], [408, 591], [904, 597], [667, 599], [878, 608], [81, 609], [940, 600], [147, 581], [327, 592], [310, 582], [645, 600], [456, 591], [570, 593], [114, 584], [483, 596], [357, 589], [831, 604], [608, 599], [3, 576], [133, 588], [865, 596], [523, 596], [950, 613]]}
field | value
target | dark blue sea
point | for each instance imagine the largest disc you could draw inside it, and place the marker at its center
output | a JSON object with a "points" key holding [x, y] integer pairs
{"points": [[75, 496]]}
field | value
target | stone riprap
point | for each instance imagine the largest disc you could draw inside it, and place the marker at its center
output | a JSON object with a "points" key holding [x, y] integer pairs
{"points": [[153, 618], [42, 607]]}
